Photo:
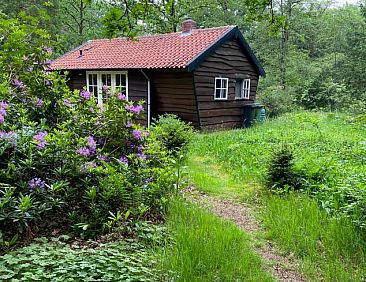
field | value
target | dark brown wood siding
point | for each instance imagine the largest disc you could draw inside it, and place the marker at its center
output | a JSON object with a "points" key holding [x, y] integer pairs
{"points": [[172, 92], [228, 61], [77, 79], [137, 86]]}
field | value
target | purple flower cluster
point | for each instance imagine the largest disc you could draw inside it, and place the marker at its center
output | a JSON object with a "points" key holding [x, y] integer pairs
{"points": [[47, 62], [38, 103], [47, 49], [135, 109], [84, 151], [36, 183], [90, 149], [139, 135], [67, 103], [9, 137], [18, 83], [3, 107], [85, 94], [105, 87], [141, 156], [121, 96], [123, 160], [103, 158], [129, 124], [39, 138], [87, 167], [91, 143]]}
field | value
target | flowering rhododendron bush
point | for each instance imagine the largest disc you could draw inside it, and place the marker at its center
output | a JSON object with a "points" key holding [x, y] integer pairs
{"points": [[66, 161]]}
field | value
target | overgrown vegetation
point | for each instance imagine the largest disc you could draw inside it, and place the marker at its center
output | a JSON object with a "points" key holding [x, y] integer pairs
{"points": [[324, 223], [332, 245], [206, 248], [90, 168]]}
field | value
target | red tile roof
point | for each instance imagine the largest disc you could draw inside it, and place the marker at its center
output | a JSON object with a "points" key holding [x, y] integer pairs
{"points": [[172, 50]]}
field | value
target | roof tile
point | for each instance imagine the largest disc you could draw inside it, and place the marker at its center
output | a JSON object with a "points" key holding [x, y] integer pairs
{"points": [[171, 50]]}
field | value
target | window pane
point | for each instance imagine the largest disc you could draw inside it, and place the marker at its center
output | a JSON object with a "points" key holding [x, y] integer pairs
{"points": [[217, 93], [107, 79], [223, 93], [238, 88], [118, 80], [223, 83], [218, 83]]}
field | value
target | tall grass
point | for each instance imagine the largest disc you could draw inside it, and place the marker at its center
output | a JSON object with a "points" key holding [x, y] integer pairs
{"points": [[206, 248], [332, 248], [330, 150]]}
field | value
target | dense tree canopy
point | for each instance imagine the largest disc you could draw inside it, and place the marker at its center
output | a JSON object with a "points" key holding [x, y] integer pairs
{"points": [[313, 52]]}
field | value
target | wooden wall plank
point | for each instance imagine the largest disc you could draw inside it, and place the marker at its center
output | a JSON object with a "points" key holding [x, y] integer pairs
{"points": [[227, 61]]}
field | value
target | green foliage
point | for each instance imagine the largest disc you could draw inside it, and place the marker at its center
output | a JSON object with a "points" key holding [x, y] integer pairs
{"points": [[57, 261], [174, 133], [332, 249], [206, 248]]}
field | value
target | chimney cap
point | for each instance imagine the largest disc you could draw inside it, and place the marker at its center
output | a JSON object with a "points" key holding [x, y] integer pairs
{"points": [[188, 25]]}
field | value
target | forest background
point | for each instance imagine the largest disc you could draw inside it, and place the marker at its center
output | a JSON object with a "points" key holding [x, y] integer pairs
{"points": [[314, 52]]}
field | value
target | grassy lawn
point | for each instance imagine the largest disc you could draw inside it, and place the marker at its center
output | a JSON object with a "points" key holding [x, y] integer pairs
{"points": [[330, 149]]}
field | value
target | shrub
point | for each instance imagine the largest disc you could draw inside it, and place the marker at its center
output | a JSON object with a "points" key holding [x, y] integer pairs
{"points": [[63, 157], [277, 101], [281, 173], [174, 133]]}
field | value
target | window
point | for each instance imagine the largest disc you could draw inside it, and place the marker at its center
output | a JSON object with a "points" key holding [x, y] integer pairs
{"points": [[221, 88], [242, 89], [116, 81], [93, 84]]}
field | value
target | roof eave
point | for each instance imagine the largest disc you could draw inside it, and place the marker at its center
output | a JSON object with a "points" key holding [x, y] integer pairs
{"points": [[233, 32]]}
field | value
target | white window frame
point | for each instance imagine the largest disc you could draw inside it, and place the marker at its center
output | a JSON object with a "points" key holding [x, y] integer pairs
{"points": [[100, 84], [244, 89], [221, 88]]}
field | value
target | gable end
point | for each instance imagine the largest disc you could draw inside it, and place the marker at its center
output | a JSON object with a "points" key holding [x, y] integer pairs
{"points": [[233, 33]]}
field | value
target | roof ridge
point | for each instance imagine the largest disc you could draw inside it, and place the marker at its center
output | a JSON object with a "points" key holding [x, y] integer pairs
{"points": [[160, 34]]}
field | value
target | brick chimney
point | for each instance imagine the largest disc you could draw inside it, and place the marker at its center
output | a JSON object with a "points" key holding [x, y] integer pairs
{"points": [[188, 26]]}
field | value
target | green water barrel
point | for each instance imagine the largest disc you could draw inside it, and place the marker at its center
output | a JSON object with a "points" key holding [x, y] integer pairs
{"points": [[252, 113]]}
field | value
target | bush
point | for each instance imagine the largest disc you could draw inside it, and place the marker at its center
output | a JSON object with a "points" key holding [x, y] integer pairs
{"points": [[65, 159], [174, 133], [281, 173], [277, 101]]}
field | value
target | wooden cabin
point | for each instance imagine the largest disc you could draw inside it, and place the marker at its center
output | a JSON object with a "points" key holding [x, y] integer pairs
{"points": [[205, 76]]}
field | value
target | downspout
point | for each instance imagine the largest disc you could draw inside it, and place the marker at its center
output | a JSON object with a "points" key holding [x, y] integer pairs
{"points": [[148, 97]]}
